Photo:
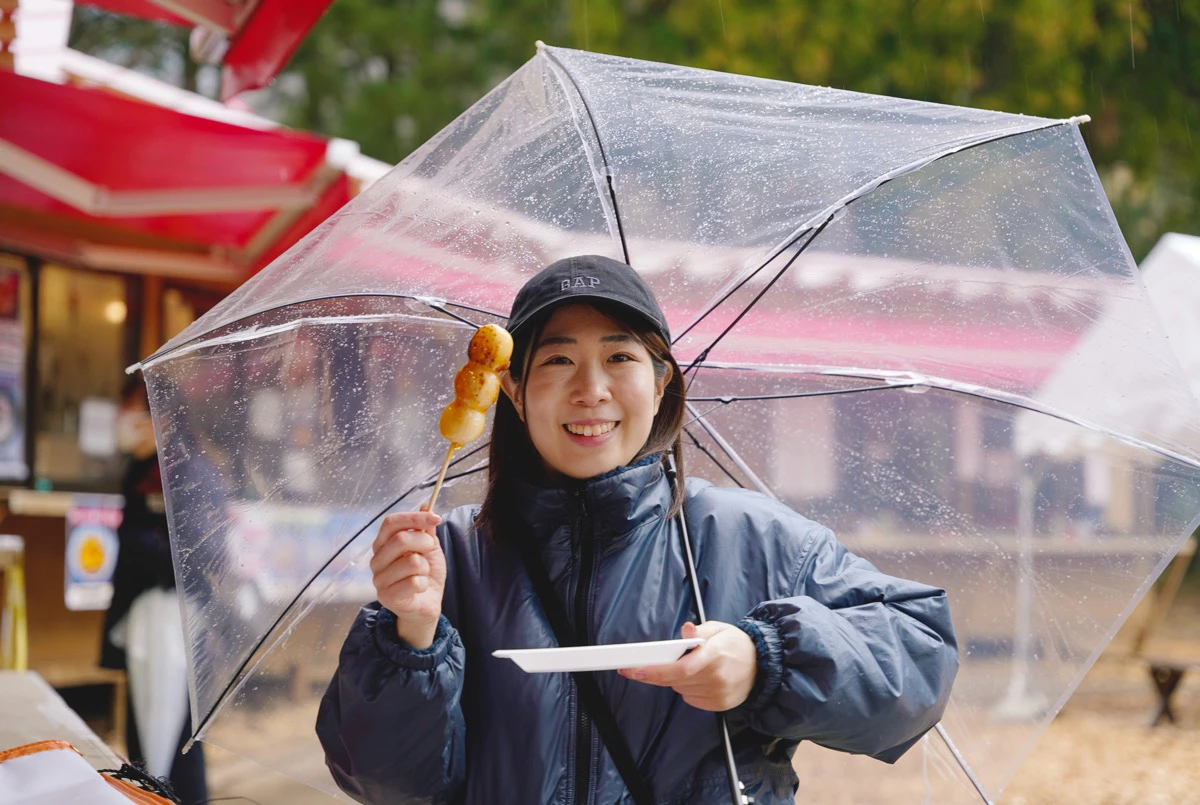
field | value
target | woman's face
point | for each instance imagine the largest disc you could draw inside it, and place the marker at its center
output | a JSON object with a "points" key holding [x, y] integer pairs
{"points": [[135, 430], [591, 395]]}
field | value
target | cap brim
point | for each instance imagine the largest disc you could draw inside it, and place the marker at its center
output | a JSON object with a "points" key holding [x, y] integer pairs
{"points": [[585, 296]]}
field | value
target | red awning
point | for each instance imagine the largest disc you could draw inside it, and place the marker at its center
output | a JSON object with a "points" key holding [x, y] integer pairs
{"points": [[261, 36], [266, 41], [114, 183]]}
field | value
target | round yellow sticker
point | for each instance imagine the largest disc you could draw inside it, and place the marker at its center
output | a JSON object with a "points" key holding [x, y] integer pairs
{"points": [[91, 554]]}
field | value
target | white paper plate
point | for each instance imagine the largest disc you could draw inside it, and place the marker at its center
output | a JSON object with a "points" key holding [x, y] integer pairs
{"points": [[598, 658]]}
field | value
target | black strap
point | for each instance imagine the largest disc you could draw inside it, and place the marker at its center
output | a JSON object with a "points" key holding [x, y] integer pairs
{"points": [[138, 776], [589, 692]]}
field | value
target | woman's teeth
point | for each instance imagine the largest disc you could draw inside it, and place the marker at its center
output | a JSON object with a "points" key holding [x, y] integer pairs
{"points": [[590, 430]]}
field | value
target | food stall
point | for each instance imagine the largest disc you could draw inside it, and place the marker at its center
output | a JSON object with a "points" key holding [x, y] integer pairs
{"points": [[128, 208]]}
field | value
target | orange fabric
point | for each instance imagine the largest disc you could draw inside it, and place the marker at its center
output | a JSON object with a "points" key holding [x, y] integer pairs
{"points": [[139, 796], [34, 748]]}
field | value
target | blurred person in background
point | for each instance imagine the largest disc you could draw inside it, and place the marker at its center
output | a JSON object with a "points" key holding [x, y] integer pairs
{"points": [[142, 630]]}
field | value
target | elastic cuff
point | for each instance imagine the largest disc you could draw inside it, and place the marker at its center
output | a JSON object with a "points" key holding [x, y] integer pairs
{"points": [[770, 662], [401, 653]]}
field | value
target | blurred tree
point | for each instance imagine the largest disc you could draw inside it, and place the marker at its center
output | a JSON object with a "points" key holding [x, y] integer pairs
{"points": [[157, 48], [391, 73], [1133, 65]]}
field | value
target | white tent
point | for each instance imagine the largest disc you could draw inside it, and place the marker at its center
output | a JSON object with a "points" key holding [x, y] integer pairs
{"points": [[1115, 471], [1171, 274]]}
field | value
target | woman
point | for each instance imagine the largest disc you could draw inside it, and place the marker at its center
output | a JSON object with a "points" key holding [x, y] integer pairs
{"points": [[805, 642]]}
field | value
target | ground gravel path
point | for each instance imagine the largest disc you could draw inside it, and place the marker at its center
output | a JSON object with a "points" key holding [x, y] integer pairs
{"points": [[1098, 751]]}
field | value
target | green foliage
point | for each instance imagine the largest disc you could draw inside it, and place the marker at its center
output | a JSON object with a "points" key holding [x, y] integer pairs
{"points": [[153, 47], [391, 73]]}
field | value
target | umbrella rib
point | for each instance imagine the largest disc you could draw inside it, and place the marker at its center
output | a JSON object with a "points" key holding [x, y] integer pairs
{"points": [[238, 676], [962, 763], [913, 379], [700, 446], [1038, 408], [704, 352], [440, 307], [608, 175], [727, 448], [235, 684], [429, 302], [739, 284], [729, 398], [706, 412], [864, 190]]}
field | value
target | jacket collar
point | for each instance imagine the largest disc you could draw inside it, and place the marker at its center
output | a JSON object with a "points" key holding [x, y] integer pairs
{"points": [[618, 504]]}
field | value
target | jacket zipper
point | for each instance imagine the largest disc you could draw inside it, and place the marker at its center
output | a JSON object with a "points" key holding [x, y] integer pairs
{"points": [[583, 592]]}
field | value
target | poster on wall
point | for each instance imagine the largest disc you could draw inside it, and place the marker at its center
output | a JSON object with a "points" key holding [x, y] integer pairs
{"points": [[92, 523], [12, 375]]}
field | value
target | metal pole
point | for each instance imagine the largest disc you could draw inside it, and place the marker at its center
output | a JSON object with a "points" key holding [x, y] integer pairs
{"points": [[1019, 702]]}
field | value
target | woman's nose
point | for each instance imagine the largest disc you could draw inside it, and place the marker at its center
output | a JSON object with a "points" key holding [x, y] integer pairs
{"points": [[590, 387]]}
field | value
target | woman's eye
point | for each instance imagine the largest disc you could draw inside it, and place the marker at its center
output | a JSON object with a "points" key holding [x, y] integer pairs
{"points": [[556, 360], [621, 357]]}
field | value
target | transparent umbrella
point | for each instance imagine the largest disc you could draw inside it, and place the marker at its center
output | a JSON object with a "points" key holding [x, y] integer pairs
{"points": [[866, 292]]}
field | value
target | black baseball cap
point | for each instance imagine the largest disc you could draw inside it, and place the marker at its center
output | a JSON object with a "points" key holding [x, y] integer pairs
{"points": [[584, 277]]}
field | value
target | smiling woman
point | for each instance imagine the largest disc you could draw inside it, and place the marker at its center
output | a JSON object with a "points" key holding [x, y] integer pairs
{"points": [[578, 542]]}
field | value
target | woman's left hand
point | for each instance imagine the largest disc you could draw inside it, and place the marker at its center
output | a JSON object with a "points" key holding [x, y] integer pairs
{"points": [[717, 675]]}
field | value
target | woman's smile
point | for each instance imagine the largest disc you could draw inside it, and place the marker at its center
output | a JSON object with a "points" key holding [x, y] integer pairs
{"points": [[590, 432]]}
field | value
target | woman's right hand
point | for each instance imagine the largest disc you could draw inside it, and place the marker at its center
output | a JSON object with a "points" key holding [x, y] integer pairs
{"points": [[410, 574]]}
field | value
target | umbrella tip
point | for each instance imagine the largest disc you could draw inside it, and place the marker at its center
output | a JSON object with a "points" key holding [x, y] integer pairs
{"points": [[1080, 119], [540, 45]]}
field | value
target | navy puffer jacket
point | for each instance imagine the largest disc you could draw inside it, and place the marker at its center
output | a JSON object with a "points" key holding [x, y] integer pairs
{"points": [[848, 657]]}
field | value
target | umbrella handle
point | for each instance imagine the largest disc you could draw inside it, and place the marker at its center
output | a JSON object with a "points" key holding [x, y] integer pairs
{"points": [[441, 476]]}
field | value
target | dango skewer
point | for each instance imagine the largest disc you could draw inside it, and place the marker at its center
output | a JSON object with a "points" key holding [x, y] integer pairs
{"points": [[476, 389]]}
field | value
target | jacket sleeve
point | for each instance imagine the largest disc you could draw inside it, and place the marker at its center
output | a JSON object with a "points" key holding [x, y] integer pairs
{"points": [[391, 721], [854, 660]]}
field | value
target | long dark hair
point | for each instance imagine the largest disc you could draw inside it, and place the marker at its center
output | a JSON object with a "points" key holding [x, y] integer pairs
{"points": [[511, 453]]}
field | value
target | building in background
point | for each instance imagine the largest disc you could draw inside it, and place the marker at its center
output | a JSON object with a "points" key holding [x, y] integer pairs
{"points": [[128, 208]]}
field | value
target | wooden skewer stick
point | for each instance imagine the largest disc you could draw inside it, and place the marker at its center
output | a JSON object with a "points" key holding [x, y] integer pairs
{"points": [[441, 476]]}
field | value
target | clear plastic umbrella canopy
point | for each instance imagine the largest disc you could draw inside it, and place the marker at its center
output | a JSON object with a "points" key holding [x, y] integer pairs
{"points": [[869, 293]]}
